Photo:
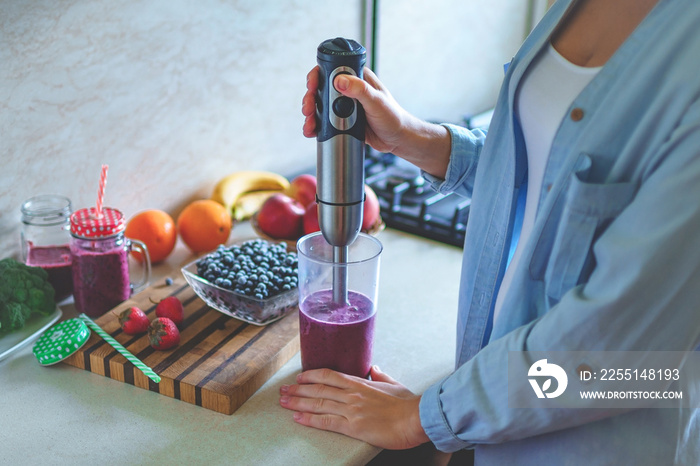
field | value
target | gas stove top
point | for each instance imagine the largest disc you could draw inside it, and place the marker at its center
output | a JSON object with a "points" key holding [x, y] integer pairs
{"points": [[408, 204]]}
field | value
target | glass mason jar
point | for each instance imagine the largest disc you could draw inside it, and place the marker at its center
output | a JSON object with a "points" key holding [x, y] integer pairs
{"points": [[45, 239], [100, 254]]}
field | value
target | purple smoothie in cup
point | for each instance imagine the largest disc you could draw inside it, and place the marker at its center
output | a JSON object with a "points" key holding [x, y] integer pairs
{"points": [[337, 337], [56, 260], [101, 279]]}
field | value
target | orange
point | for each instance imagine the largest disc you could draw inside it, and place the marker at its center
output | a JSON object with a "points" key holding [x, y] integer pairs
{"points": [[203, 225], [157, 230]]}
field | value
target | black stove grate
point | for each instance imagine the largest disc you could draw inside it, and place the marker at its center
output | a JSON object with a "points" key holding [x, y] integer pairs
{"points": [[408, 204]]}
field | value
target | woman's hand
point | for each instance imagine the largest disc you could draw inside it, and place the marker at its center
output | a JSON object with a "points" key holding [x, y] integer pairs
{"points": [[390, 128], [384, 115], [380, 411]]}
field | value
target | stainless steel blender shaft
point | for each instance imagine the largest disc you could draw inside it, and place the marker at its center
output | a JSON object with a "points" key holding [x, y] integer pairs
{"points": [[340, 274]]}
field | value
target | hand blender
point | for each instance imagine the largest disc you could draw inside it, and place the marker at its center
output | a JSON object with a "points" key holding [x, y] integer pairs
{"points": [[340, 175]]}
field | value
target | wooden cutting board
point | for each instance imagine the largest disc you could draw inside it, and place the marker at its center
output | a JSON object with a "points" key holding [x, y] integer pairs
{"points": [[219, 363]]}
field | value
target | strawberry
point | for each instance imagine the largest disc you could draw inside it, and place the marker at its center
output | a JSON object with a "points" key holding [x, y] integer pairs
{"points": [[163, 333], [171, 307], [133, 321]]}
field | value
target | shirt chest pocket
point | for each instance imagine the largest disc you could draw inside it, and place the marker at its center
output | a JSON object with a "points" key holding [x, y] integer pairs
{"points": [[563, 256]]}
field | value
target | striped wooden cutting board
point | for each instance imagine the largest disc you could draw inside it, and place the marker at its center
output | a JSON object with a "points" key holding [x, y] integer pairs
{"points": [[219, 363]]}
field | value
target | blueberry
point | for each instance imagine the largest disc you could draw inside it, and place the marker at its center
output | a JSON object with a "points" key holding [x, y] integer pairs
{"points": [[253, 268]]}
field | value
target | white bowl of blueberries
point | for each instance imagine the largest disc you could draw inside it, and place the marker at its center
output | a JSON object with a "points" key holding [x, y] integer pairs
{"points": [[255, 281]]}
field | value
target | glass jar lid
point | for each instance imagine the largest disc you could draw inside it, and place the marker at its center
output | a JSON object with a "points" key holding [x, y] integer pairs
{"points": [[61, 341], [85, 223]]}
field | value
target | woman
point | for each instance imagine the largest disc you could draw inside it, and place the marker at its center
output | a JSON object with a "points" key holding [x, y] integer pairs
{"points": [[597, 129]]}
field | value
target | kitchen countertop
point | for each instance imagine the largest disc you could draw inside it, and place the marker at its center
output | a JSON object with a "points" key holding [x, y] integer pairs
{"points": [[59, 414]]}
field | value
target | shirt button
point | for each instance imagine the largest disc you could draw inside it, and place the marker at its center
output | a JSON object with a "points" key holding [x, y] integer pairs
{"points": [[548, 187], [577, 114]]}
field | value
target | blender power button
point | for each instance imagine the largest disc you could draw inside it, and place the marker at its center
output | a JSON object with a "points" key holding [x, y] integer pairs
{"points": [[343, 107]]}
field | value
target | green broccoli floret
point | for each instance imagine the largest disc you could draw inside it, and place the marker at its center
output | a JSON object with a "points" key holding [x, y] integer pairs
{"points": [[24, 290], [12, 316], [41, 301], [35, 271]]}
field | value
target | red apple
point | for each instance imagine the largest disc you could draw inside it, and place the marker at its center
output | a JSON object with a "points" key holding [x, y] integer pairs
{"points": [[281, 217], [311, 218], [303, 189], [370, 212]]}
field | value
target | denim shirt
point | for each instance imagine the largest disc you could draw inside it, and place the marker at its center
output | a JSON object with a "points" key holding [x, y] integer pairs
{"points": [[613, 262]]}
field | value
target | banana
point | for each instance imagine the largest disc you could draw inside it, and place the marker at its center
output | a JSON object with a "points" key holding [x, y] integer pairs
{"points": [[249, 203], [233, 186]]}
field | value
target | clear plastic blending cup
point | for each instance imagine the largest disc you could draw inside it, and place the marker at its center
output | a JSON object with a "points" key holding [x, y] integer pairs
{"points": [[335, 335]]}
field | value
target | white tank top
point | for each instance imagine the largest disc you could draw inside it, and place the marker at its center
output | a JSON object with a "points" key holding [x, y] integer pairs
{"points": [[544, 95]]}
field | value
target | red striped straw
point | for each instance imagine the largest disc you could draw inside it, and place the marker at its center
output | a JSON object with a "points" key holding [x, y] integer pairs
{"points": [[101, 191]]}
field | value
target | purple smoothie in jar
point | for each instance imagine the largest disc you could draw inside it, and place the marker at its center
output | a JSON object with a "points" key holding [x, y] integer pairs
{"points": [[56, 260], [337, 337], [45, 239], [100, 276], [100, 253]]}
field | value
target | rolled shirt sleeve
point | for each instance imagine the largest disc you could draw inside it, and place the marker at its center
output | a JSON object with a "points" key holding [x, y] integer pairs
{"points": [[465, 148]]}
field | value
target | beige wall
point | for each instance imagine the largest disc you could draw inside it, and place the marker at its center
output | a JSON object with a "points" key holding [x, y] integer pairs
{"points": [[173, 94], [444, 58]]}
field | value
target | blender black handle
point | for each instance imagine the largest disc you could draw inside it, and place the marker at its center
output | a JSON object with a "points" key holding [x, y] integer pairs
{"points": [[335, 113]]}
